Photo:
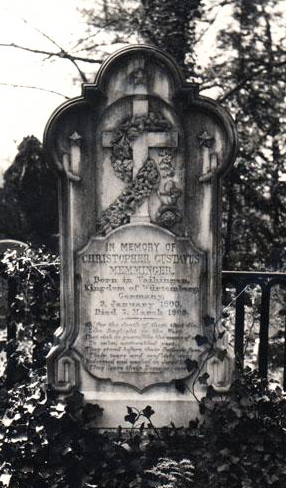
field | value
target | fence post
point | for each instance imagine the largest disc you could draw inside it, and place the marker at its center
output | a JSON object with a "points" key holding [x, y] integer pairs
{"points": [[264, 330], [239, 326], [284, 370]]}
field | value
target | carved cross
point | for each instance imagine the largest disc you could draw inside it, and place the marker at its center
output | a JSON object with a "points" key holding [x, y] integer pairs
{"points": [[140, 149]]}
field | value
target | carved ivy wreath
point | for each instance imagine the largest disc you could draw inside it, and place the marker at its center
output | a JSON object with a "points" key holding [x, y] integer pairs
{"points": [[147, 178]]}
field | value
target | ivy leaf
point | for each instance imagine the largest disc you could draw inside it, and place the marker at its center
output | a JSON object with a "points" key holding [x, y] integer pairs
{"points": [[259, 448], [76, 398], [202, 408], [222, 355], [201, 340], [208, 321], [211, 393], [92, 412], [223, 467], [191, 365], [193, 424], [234, 459], [148, 412], [272, 478], [203, 379], [131, 417], [180, 386]]}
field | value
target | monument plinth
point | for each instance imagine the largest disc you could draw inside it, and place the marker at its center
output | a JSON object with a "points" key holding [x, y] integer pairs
{"points": [[140, 156]]}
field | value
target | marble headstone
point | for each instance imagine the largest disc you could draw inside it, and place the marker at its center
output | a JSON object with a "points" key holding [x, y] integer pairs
{"points": [[140, 156]]}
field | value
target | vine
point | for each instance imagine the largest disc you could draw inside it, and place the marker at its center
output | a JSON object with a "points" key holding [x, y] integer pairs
{"points": [[133, 195], [149, 175]]}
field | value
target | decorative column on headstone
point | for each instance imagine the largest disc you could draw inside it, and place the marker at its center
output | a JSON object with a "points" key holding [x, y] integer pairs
{"points": [[140, 157]]}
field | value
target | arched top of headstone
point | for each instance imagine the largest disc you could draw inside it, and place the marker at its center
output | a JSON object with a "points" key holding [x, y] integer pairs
{"points": [[12, 245], [143, 67], [136, 71]]}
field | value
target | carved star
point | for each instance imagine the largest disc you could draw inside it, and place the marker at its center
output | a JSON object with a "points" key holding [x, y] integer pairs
{"points": [[138, 76], [75, 138], [205, 139]]}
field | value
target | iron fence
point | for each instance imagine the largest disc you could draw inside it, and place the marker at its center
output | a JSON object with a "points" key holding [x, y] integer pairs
{"points": [[241, 281]]}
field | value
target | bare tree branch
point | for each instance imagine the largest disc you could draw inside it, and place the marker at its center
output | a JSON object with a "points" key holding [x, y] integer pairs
{"points": [[35, 88], [62, 55], [93, 36], [63, 51], [42, 33]]}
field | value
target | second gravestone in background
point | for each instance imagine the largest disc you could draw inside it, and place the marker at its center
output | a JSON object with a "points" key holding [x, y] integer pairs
{"points": [[140, 156]]}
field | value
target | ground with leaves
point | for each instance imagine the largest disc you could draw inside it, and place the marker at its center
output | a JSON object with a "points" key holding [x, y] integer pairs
{"points": [[46, 443]]}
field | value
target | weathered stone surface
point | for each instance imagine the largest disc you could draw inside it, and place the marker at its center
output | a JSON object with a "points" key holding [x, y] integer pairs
{"points": [[140, 155], [141, 301]]}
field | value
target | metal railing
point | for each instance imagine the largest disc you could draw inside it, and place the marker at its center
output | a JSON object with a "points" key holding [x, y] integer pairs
{"points": [[241, 281]]}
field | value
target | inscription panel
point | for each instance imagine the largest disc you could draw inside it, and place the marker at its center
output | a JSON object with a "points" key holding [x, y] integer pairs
{"points": [[140, 300]]}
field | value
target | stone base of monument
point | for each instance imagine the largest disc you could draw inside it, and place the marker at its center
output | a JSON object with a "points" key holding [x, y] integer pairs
{"points": [[178, 413], [169, 405], [175, 401]]}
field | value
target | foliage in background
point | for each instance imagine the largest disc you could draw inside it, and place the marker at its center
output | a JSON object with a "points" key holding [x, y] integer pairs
{"points": [[34, 310], [252, 86], [172, 26], [168, 473], [246, 435], [28, 201], [166, 24]]}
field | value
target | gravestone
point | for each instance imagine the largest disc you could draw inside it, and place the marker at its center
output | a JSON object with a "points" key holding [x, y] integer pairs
{"points": [[6, 245], [140, 157]]}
